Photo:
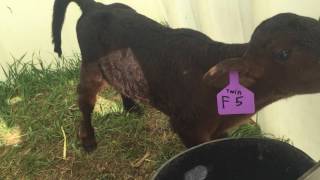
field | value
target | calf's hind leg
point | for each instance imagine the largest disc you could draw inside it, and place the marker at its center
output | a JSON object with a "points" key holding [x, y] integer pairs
{"points": [[91, 82]]}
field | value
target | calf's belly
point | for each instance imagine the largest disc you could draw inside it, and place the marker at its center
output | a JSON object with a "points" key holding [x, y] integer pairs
{"points": [[122, 70]]}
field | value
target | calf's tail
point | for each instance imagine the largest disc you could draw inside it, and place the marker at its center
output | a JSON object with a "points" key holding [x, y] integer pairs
{"points": [[59, 11]]}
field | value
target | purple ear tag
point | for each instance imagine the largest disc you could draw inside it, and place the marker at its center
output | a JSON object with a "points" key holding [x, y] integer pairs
{"points": [[235, 99]]}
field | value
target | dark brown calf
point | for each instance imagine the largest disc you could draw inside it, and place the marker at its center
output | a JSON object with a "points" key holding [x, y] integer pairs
{"points": [[180, 71]]}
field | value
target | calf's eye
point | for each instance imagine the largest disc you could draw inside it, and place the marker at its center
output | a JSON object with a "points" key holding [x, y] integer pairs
{"points": [[282, 56]]}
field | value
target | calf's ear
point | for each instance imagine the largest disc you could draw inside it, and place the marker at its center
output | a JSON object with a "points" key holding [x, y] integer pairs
{"points": [[218, 75]]}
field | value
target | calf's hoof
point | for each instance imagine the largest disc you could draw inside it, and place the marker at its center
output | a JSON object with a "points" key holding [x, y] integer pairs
{"points": [[88, 141], [89, 146]]}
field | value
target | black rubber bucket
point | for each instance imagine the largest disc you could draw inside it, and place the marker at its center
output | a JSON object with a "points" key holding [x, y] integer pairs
{"points": [[237, 159]]}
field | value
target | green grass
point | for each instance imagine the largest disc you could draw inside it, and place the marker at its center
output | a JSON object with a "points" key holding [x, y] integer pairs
{"points": [[247, 130], [37, 102]]}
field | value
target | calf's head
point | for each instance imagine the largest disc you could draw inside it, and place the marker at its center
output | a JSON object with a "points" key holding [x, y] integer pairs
{"points": [[283, 54]]}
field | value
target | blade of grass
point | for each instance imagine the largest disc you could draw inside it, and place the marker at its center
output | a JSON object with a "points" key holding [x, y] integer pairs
{"points": [[64, 156]]}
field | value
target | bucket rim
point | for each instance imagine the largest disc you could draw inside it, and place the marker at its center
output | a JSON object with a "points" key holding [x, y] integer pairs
{"points": [[224, 140]]}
